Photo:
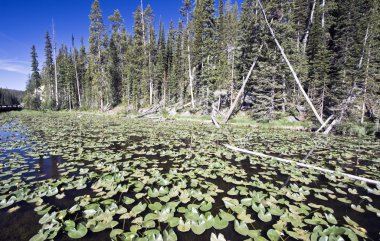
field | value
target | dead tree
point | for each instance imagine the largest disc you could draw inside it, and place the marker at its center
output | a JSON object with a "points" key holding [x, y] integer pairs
{"points": [[241, 91], [289, 65], [300, 164], [76, 72], [307, 32], [55, 66]]}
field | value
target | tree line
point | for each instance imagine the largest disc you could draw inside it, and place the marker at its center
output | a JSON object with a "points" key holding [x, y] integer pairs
{"points": [[333, 45], [10, 97]]}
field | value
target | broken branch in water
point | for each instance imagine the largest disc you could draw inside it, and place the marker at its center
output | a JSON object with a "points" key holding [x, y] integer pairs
{"points": [[363, 179]]}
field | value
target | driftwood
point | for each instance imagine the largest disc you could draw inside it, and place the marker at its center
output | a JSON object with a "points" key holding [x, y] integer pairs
{"points": [[324, 170], [151, 110], [324, 124], [328, 129], [213, 116], [289, 65], [188, 104], [218, 111], [106, 107], [214, 121], [241, 91]]}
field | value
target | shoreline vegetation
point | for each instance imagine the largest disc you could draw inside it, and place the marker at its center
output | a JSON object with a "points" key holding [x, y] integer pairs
{"points": [[239, 119], [270, 61]]}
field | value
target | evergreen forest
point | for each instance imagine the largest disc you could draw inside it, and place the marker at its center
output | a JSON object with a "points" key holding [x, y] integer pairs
{"points": [[202, 60]]}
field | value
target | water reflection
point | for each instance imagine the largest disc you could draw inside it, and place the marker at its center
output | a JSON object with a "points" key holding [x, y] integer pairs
{"points": [[48, 167]]}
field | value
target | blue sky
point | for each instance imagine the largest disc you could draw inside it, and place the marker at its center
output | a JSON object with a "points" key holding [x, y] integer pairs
{"points": [[25, 22]]}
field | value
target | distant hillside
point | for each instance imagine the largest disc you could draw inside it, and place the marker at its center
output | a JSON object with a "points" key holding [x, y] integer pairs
{"points": [[10, 97]]}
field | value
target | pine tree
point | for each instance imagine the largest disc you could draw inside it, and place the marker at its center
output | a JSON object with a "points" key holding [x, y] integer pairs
{"points": [[48, 80], [82, 66], [97, 56], [66, 73], [151, 50], [33, 93], [116, 63], [137, 60], [231, 37], [371, 93], [161, 64], [186, 13], [36, 78], [249, 39], [222, 70], [170, 54], [205, 49], [115, 73], [319, 60], [179, 68]]}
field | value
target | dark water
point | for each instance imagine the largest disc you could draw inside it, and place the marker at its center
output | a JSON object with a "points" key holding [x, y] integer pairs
{"points": [[25, 221]]}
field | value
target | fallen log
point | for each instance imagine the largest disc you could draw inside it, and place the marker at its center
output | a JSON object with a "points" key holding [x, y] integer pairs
{"points": [[214, 121], [363, 179], [218, 111], [324, 124], [328, 129], [150, 111]]}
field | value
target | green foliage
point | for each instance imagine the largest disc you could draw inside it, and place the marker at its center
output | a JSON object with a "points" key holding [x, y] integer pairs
{"points": [[332, 45], [353, 129]]}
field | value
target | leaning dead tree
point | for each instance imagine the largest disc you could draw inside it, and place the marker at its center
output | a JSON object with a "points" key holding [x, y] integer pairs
{"points": [[290, 65], [241, 91]]}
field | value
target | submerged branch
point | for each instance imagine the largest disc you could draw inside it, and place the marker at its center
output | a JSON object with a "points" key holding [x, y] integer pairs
{"points": [[363, 179]]}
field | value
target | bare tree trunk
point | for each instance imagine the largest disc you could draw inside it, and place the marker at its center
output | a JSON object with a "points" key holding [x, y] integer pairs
{"points": [[220, 99], [232, 76], [101, 101], [164, 98], [329, 128], [324, 124], [100, 69], [272, 95], [150, 73], [365, 86], [298, 37], [151, 92], [323, 4], [191, 73], [307, 32], [300, 164], [323, 98], [55, 67], [76, 75], [69, 99], [191, 77], [143, 23], [290, 66], [363, 50], [283, 94], [323, 13], [241, 91]]}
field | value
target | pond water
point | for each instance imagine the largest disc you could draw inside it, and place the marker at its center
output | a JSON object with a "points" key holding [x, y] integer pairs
{"points": [[78, 176]]}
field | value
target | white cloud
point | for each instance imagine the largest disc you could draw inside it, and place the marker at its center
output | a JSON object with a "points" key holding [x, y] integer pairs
{"points": [[15, 66]]}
